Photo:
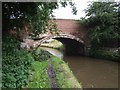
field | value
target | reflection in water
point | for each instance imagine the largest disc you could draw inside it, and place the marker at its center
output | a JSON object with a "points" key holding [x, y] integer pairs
{"points": [[92, 73], [54, 52]]}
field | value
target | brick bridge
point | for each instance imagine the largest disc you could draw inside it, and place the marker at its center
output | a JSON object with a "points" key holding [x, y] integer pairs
{"points": [[73, 44], [73, 36]]}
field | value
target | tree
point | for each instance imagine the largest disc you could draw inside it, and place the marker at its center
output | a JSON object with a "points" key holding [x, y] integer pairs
{"points": [[18, 14], [102, 19], [34, 14]]}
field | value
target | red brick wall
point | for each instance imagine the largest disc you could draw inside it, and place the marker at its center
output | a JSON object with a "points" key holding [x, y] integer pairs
{"points": [[71, 26]]}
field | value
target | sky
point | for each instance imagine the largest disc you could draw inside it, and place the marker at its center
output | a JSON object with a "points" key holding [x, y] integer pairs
{"points": [[66, 13]]}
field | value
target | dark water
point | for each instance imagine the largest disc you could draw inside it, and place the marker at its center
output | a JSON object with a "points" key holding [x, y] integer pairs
{"points": [[94, 73], [90, 72]]}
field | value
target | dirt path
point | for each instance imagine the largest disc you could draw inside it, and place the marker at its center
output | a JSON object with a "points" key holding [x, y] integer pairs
{"points": [[51, 75]]}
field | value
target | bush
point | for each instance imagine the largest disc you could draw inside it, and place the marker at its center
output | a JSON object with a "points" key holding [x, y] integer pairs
{"points": [[40, 55], [104, 54], [16, 64]]}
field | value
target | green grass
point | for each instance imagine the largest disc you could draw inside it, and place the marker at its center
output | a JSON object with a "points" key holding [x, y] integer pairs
{"points": [[40, 78], [64, 75]]}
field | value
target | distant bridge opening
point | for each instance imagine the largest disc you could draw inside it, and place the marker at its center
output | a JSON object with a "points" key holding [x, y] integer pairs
{"points": [[73, 45]]}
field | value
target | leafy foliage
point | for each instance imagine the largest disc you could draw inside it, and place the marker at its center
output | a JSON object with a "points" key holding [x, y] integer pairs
{"points": [[104, 54], [40, 55], [102, 19], [72, 4], [16, 64], [34, 15]]}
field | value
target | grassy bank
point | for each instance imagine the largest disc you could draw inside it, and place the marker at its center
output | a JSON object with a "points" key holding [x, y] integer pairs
{"points": [[64, 76], [39, 79]]}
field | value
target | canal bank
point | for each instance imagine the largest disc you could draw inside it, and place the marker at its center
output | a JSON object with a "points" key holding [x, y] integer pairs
{"points": [[91, 72], [41, 75]]}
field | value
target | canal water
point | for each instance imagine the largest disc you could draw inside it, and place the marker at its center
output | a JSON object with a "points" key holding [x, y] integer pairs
{"points": [[91, 72]]}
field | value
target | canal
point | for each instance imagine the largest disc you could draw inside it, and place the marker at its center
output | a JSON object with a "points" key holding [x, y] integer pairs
{"points": [[91, 72]]}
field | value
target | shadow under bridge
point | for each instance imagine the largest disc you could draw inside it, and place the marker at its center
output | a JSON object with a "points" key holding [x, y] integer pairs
{"points": [[73, 45]]}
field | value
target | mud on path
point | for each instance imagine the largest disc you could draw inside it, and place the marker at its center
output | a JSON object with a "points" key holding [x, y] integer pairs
{"points": [[51, 74]]}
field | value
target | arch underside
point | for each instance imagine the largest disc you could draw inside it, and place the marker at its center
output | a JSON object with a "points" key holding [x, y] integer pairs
{"points": [[72, 47]]}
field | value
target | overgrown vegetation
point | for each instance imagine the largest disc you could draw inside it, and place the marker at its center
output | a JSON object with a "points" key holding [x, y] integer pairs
{"points": [[16, 64], [105, 54], [21, 68], [20, 18], [40, 55], [102, 20]]}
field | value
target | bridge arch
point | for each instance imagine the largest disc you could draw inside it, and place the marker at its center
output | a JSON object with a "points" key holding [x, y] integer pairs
{"points": [[73, 45]]}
